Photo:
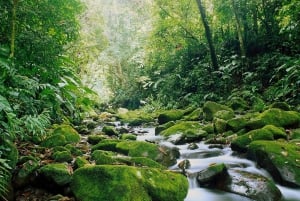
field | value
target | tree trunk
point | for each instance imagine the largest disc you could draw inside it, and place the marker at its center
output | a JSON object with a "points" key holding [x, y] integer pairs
{"points": [[13, 28], [208, 36], [239, 30]]}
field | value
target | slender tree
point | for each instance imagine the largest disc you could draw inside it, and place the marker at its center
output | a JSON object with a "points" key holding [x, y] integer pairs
{"points": [[208, 35]]}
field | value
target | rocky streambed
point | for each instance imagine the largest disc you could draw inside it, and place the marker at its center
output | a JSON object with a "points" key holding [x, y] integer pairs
{"points": [[216, 152]]}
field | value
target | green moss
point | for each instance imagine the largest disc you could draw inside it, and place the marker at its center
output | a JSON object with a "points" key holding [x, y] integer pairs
{"points": [[281, 159], [109, 130], [275, 117], [108, 145], [10, 153], [123, 183], [128, 137], [170, 115], [60, 136], [220, 125], [74, 150], [182, 128], [211, 108], [237, 124], [295, 134], [224, 114], [58, 173], [238, 104], [194, 115], [138, 149], [94, 139], [281, 105], [162, 127], [62, 156], [68, 131], [209, 128], [104, 157], [136, 117], [27, 169], [268, 132], [80, 162]]}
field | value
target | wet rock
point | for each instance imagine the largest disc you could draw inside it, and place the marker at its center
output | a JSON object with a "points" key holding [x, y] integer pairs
{"points": [[62, 156], [170, 115], [95, 139], [25, 175], [162, 127], [211, 108], [56, 173], [128, 137], [161, 154], [280, 159], [60, 136], [252, 186], [195, 115], [190, 131], [80, 162], [111, 158], [193, 146], [109, 130], [268, 132], [123, 183], [183, 165], [237, 124], [276, 117], [214, 176]]}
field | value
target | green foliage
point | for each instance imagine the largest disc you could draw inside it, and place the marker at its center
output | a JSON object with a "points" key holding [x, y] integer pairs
{"points": [[5, 175]]}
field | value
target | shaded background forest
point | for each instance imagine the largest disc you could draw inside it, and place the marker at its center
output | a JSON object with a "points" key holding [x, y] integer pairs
{"points": [[60, 59]]}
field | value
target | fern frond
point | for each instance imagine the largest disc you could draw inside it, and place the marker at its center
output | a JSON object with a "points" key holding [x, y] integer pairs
{"points": [[5, 176]]}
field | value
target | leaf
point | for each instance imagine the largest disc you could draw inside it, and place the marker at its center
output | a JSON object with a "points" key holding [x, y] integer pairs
{"points": [[4, 104]]}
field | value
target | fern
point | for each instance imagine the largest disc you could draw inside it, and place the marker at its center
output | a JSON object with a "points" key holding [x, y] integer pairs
{"points": [[5, 176]]}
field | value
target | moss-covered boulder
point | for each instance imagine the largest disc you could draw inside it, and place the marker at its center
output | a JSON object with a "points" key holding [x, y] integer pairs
{"points": [[124, 183], [295, 134], [275, 117], [128, 136], [62, 156], [211, 108], [162, 127], [246, 184], [268, 132], [108, 145], [112, 158], [236, 124], [25, 175], [109, 130], [170, 115], [256, 187], [195, 115], [60, 136], [135, 117], [9, 152], [281, 105], [80, 162], [210, 176], [190, 130], [95, 139], [220, 125], [161, 154], [57, 173], [238, 104], [280, 159]]}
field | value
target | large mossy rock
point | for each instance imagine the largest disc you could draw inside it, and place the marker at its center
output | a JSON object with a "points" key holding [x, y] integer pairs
{"points": [[237, 123], [210, 177], [108, 145], [280, 159], [135, 117], [189, 131], [195, 115], [268, 132], [60, 136], [170, 115], [112, 158], [275, 117], [124, 183], [56, 173], [161, 154], [210, 109]]}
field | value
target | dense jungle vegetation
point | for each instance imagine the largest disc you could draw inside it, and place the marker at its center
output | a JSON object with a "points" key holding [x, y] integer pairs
{"points": [[60, 60]]}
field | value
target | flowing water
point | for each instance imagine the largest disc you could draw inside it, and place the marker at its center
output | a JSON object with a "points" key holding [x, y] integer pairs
{"points": [[204, 156]]}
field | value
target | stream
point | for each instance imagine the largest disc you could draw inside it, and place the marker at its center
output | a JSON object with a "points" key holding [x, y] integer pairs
{"points": [[204, 156]]}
